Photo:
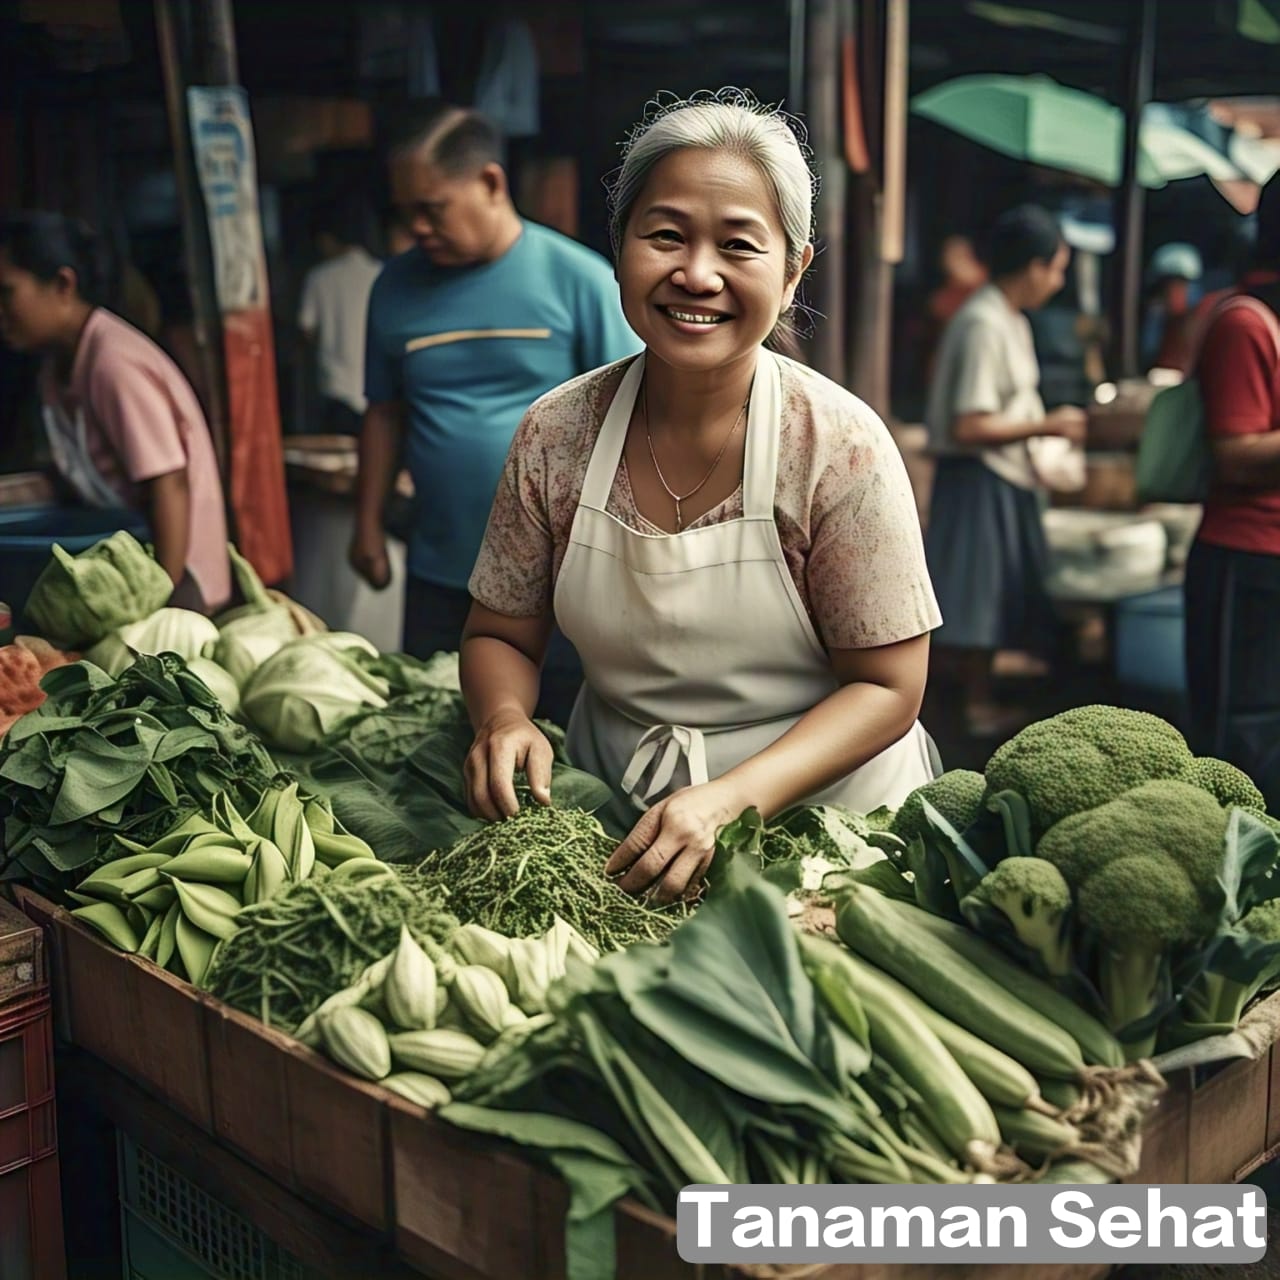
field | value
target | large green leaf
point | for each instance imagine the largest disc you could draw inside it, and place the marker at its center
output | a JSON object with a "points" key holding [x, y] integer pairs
{"points": [[97, 775], [729, 994], [1249, 862]]}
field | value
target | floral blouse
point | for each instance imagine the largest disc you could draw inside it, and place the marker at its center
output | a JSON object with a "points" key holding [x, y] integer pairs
{"points": [[843, 505]]}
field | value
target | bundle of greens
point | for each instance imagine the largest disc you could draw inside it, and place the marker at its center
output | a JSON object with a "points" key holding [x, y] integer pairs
{"points": [[828, 833], [516, 876], [103, 758], [316, 937]]}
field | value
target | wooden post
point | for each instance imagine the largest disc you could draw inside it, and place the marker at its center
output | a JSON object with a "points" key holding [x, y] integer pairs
{"points": [[218, 38], [822, 101], [878, 196], [206, 316], [796, 60], [1131, 204]]}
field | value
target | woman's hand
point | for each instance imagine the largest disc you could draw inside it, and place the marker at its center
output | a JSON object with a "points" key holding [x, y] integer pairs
{"points": [[670, 848], [506, 742]]}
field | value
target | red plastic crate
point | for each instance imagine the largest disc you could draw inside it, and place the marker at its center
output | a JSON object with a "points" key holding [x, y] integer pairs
{"points": [[28, 1130], [31, 1246]]}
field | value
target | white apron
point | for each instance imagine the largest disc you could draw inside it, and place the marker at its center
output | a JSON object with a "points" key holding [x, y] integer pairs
{"points": [[683, 636]]}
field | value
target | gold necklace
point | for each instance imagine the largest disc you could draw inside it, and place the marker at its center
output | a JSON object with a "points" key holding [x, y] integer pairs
{"points": [[679, 498]]}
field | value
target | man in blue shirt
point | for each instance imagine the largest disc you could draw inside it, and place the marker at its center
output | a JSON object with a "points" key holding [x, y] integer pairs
{"points": [[485, 314]]}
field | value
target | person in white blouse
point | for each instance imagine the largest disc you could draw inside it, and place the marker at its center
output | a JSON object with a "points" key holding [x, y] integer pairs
{"points": [[332, 316]]}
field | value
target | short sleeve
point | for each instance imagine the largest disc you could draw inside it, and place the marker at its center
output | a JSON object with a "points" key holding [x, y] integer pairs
{"points": [[604, 336], [382, 363], [514, 571], [866, 575], [1237, 373], [308, 317], [137, 416], [978, 382]]}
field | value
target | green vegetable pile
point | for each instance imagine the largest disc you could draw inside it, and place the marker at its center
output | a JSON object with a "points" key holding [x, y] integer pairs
{"points": [[315, 938], [424, 1017], [739, 1052], [104, 758], [516, 876], [394, 775], [172, 902], [1097, 849]]}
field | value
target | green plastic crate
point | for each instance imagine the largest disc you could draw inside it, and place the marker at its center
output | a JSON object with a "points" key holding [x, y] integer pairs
{"points": [[171, 1229]]}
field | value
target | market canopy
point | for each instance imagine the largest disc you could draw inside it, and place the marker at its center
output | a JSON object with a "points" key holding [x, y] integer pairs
{"points": [[1034, 118]]}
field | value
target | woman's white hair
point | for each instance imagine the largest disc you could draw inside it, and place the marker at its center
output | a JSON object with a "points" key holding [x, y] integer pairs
{"points": [[725, 120]]}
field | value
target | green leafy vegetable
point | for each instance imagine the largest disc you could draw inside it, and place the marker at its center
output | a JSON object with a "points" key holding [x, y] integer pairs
{"points": [[315, 937], [79, 599], [103, 758], [516, 876]]}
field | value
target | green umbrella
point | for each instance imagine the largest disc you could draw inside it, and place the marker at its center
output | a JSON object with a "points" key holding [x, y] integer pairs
{"points": [[1036, 119]]}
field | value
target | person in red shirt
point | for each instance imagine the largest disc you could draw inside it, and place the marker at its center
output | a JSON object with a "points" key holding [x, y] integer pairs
{"points": [[1233, 573]]}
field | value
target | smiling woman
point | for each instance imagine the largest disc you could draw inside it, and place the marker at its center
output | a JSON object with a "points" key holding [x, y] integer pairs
{"points": [[728, 538]]}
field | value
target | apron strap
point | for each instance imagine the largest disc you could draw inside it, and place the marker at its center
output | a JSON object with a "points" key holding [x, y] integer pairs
{"points": [[667, 745], [764, 429], [606, 455]]}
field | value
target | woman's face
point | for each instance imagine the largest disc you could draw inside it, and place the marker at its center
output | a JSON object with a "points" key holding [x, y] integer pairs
{"points": [[30, 308], [702, 268]]}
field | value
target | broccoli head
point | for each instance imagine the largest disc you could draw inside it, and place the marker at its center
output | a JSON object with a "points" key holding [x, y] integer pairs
{"points": [[956, 794], [1034, 898], [1085, 757], [1263, 922], [1141, 906], [1227, 784], [1170, 819], [1143, 869]]}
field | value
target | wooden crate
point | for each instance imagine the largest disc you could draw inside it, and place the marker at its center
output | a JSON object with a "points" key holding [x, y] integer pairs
{"points": [[248, 1095], [465, 1206], [316, 1129], [129, 1012], [338, 1138], [1227, 1130], [22, 965], [40, 911], [139, 1018]]}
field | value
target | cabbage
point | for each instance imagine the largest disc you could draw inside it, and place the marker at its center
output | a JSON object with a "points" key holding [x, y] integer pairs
{"points": [[77, 600], [111, 654], [301, 692], [247, 641], [241, 655], [340, 640], [180, 631], [218, 682]]}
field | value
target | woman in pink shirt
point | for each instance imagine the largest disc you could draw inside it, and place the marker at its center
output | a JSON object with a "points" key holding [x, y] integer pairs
{"points": [[125, 428]]}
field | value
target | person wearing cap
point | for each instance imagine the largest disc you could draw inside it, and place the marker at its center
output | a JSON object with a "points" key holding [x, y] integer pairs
{"points": [[1173, 271], [985, 542]]}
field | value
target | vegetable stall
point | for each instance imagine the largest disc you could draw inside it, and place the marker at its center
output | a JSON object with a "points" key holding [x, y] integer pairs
{"points": [[271, 911]]}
